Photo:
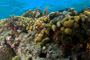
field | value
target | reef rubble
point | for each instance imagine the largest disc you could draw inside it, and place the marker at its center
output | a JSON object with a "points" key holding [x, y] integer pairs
{"points": [[37, 35]]}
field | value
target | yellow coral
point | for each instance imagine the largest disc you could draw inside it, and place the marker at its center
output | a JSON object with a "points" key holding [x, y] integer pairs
{"points": [[71, 17], [46, 18], [24, 25], [27, 28], [83, 17], [68, 31], [74, 11], [58, 23], [40, 22], [2, 21], [21, 23], [87, 13], [62, 28], [44, 30], [65, 24], [76, 25], [68, 24], [46, 39], [54, 27], [47, 31], [88, 47], [66, 18], [52, 13], [38, 39], [76, 18], [40, 35], [43, 24]]}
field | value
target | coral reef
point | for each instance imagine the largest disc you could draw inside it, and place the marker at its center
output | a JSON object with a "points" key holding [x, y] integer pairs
{"points": [[37, 35], [32, 13]]}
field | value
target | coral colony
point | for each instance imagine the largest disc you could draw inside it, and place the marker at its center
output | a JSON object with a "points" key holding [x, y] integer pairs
{"points": [[37, 35]]}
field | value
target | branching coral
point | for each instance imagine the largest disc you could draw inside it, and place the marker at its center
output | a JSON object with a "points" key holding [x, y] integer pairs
{"points": [[45, 12], [10, 24], [32, 13], [16, 28], [44, 33], [73, 12], [45, 41], [3, 24], [40, 23]]}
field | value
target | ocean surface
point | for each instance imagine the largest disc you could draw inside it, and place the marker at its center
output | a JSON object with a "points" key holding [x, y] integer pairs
{"points": [[17, 7]]}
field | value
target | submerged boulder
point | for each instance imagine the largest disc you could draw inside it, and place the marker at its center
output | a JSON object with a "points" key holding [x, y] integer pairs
{"points": [[6, 53]]}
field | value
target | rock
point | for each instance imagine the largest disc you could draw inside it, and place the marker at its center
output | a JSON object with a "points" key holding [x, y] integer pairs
{"points": [[6, 53]]}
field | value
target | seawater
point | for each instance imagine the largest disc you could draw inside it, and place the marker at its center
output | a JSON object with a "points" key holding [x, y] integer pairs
{"points": [[17, 7]]}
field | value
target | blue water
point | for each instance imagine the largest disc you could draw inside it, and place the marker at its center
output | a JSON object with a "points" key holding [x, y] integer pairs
{"points": [[17, 7]]}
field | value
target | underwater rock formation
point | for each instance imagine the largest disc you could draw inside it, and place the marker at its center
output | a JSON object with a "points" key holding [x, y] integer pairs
{"points": [[54, 36], [6, 53]]}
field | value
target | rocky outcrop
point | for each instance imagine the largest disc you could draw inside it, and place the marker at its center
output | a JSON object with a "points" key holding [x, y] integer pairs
{"points": [[54, 36]]}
